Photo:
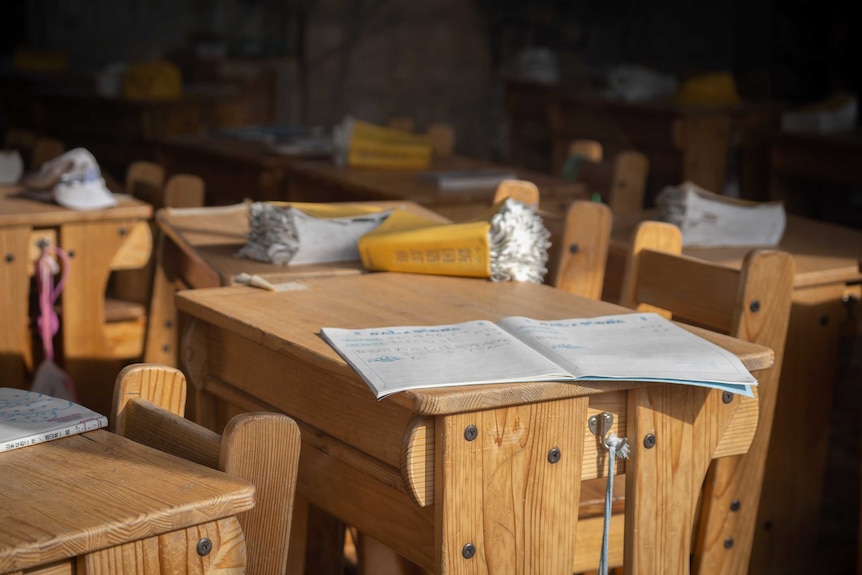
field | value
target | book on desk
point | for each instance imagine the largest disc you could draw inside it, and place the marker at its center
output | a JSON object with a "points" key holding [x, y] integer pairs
{"points": [[626, 347], [28, 418]]}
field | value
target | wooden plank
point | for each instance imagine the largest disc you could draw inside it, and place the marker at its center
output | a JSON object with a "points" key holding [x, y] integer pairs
{"points": [[531, 528], [16, 352]]}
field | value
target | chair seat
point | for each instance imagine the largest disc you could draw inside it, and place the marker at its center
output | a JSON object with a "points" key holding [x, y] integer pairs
{"points": [[118, 310]]}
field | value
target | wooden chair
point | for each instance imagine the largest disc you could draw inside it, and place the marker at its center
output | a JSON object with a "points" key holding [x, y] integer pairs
{"points": [[45, 149], [442, 139], [263, 448], [583, 249], [753, 304], [143, 172], [135, 294], [621, 182], [520, 190]]}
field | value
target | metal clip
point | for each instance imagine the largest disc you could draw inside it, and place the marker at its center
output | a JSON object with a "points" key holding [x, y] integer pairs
{"points": [[601, 425]]}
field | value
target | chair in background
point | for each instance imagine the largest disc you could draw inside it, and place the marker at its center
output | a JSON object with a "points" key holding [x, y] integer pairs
{"points": [[521, 190], [583, 249], [146, 173], [44, 150], [136, 295], [442, 139], [753, 304], [621, 182], [262, 448]]}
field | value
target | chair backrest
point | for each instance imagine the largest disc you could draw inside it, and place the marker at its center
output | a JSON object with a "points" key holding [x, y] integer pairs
{"points": [[263, 448], [183, 191], [143, 172], [521, 190], [442, 138], [45, 149], [583, 249], [590, 150], [628, 182], [751, 303]]}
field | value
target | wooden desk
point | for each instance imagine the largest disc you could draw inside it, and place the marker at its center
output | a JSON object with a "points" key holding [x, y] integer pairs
{"points": [[827, 270], [98, 242], [402, 470], [234, 170], [198, 250], [323, 181], [101, 503], [816, 174], [697, 143]]}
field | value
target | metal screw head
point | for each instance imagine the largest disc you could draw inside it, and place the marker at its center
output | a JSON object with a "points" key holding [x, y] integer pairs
{"points": [[10, 258], [649, 440], [734, 505], [166, 347], [204, 547], [169, 324], [726, 397], [554, 455], [468, 551], [754, 306], [470, 432], [573, 248], [728, 543], [824, 320], [122, 231], [71, 253]]}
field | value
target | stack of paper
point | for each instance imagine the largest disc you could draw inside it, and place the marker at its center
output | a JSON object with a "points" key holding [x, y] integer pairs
{"points": [[451, 181], [301, 233], [708, 219]]}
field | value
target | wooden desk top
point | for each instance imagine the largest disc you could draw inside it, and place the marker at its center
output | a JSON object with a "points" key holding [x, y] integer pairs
{"points": [[226, 148], [824, 253], [87, 492], [292, 321], [408, 185], [16, 209], [214, 235]]}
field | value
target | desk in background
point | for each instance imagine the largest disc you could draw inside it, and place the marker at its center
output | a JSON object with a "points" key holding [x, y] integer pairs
{"points": [[697, 143], [827, 271], [98, 242], [818, 175], [235, 170], [401, 469], [198, 250], [99, 503]]}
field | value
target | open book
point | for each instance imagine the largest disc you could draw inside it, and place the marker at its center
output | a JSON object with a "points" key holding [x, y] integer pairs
{"points": [[28, 418], [625, 347]]}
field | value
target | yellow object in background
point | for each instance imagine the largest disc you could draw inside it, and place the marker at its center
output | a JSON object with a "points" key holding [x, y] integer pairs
{"points": [[713, 89], [157, 80], [361, 144]]}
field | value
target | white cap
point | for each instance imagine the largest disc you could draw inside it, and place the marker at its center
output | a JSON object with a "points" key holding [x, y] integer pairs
{"points": [[78, 183]]}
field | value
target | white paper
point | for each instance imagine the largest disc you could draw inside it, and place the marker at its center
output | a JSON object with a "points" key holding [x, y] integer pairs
{"points": [[626, 347]]}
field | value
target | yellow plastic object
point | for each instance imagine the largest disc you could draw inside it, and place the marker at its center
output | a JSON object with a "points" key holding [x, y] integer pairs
{"points": [[364, 145], [158, 80], [713, 89], [430, 248]]}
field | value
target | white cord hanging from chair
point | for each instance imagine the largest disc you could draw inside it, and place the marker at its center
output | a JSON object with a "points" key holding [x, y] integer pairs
{"points": [[617, 447]]}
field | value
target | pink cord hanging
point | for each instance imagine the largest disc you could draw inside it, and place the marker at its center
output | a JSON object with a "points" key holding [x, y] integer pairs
{"points": [[48, 321]]}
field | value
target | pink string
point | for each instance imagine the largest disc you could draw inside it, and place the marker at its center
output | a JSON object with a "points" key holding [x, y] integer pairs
{"points": [[49, 322]]}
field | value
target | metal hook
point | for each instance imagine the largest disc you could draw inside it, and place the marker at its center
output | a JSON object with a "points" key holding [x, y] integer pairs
{"points": [[601, 425]]}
